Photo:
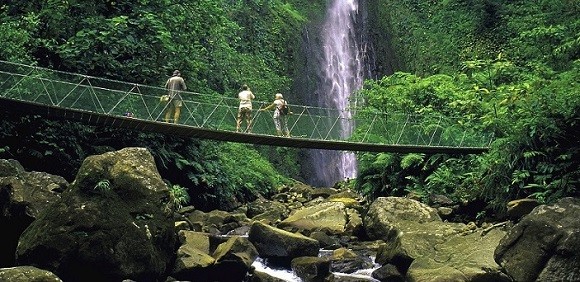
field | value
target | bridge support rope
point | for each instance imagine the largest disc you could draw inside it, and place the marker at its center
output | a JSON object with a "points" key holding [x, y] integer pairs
{"points": [[103, 101]]}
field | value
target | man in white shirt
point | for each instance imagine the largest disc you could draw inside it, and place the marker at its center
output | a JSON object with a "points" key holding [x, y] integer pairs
{"points": [[245, 109]]}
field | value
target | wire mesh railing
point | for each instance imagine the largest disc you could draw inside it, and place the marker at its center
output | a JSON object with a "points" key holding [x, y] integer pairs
{"points": [[117, 98]]}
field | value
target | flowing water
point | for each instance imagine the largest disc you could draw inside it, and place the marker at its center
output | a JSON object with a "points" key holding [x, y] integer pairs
{"points": [[337, 54], [289, 276], [336, 66], [280, 273]]}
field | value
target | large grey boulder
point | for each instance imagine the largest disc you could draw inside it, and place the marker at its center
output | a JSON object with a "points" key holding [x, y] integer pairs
{"points": [[10, 168], [198, 259], [264, 206], [460, 258], [299, 192], [113, 223], [234, 259], [439, 251], [259, 276], [544, 245], [328, 217], [27, 274], [387, 216], [311, 269], [516, 209], [267, 211], [216, 222], [279, 245], [344, 260], [193, 256], [23, 195]]}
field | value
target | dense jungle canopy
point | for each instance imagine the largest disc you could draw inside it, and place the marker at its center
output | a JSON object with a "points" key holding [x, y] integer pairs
{"points": [[507, 66]]}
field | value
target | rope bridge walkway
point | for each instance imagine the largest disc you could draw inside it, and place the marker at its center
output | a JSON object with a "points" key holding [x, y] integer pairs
{"points": [[94, 100]]}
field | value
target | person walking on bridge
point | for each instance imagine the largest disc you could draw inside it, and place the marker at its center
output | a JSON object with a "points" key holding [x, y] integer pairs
{"points": [[245, 109], [281, 112], [174, 85]]}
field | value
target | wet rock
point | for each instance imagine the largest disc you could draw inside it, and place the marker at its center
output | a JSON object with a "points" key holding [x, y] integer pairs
{"points": [[193, 259], [279, 245], [387, 213], [258, 276], [347, 261], [445, 212], [10, 168], [388, 273], [114, 222], [266, 211], [233, 259], [392, 253], [436, 200], [325, 240], [544, 245], [516, 209], [441, 250], [311, 269], [323, 192], [23, 196], [460, 258], [355, 225], [27, 274], [181, 225], [329, 217]]}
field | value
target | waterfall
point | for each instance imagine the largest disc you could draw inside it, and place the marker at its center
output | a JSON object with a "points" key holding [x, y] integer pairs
{"points": [[335, 70]]}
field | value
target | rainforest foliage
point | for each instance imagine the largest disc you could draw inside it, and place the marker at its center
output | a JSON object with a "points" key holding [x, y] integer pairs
{"points": [[217, 45], [506, 67]]}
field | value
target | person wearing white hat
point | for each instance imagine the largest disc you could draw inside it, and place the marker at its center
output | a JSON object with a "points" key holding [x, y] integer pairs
{"points": [[281, 112], [245, 109]]}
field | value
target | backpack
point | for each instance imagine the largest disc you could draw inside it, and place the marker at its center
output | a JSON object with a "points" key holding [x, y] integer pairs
{"points": [[283, 108]]}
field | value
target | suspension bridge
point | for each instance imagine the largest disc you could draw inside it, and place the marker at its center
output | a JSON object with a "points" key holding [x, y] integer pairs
{"points": [[100, 101]]}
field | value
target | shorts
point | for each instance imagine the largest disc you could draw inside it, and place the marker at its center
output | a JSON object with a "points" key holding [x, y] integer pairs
{"points": [[176, 103], [245, 112]]}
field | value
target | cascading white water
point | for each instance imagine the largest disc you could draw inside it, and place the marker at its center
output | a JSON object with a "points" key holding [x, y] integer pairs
{"points": [[340, 73], [289, 276]]}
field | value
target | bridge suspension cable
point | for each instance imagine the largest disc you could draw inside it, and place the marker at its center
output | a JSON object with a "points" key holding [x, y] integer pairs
{"points": [[100, 100]]}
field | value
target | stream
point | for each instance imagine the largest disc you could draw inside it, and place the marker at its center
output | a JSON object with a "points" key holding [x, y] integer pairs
{"points": [[289, 276]]}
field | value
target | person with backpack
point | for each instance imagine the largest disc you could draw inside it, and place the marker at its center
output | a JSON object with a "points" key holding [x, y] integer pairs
{"points": [[281, 112]]}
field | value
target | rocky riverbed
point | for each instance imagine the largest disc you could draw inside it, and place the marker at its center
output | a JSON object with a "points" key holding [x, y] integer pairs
{"points": [[115, 222]]}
